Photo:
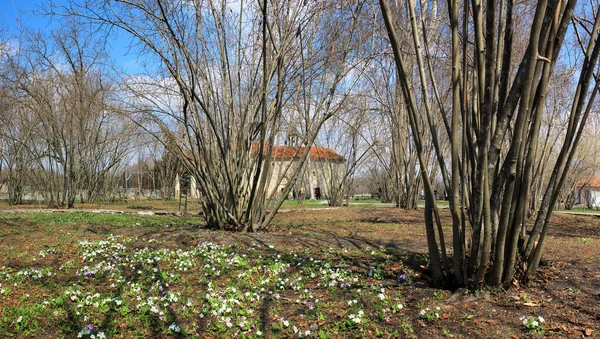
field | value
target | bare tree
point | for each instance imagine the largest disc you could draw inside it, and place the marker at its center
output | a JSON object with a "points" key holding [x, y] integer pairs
{"points": [[16, 133], [398, 155], [347, 134], [230, 73], [71, 132], [491, 170], [14, 157], [166, 168]]}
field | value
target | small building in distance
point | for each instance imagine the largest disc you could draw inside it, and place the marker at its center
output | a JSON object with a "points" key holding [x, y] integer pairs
{"points": [[588, 192], [323, 168]]}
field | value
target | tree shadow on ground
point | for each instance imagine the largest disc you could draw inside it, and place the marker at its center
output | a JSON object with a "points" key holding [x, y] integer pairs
{"points": [[400, 255], [579, 226]]}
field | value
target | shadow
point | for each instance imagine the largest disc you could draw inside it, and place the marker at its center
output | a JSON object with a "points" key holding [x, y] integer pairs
{"points": [[410, 254], [172, 315], [265, 317], [379, 220], [579, 226]]}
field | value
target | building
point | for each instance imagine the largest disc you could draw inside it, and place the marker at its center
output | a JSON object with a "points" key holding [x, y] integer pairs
{"points": [[588, 192], [323, 169]]}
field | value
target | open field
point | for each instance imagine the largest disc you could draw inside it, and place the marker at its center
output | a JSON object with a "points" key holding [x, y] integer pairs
{"points": [[341, 273]]}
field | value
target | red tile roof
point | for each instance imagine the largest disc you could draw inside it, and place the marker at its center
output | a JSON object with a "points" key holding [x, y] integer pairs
{"points": [[315, 153], [593, 182]]}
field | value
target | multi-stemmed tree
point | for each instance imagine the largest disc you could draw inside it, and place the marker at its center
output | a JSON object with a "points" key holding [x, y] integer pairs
{"points": [[494, 122], [223, 78]]}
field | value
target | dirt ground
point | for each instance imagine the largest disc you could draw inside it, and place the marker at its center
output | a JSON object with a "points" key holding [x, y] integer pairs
{"points": [[566, 290]]}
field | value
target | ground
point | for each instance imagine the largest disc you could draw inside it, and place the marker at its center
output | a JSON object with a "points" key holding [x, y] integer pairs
{"points": [[327, 273]]}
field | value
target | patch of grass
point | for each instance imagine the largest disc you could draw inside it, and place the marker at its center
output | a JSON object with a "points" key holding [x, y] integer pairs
{"points": [[124, 204], [439, 202], [364, 202], [97, 219], [582, 210], [324, 203], [305, 203]]}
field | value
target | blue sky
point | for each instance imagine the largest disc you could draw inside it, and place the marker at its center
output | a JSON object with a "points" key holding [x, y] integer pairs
{"points": [[18, 14]]}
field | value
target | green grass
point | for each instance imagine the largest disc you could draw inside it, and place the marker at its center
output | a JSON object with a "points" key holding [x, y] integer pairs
{"points": [[131, 204], [364, 202], [193, 205], [324, 203], [582, 210], [440, 202], [305, 203], [96, 219]]}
